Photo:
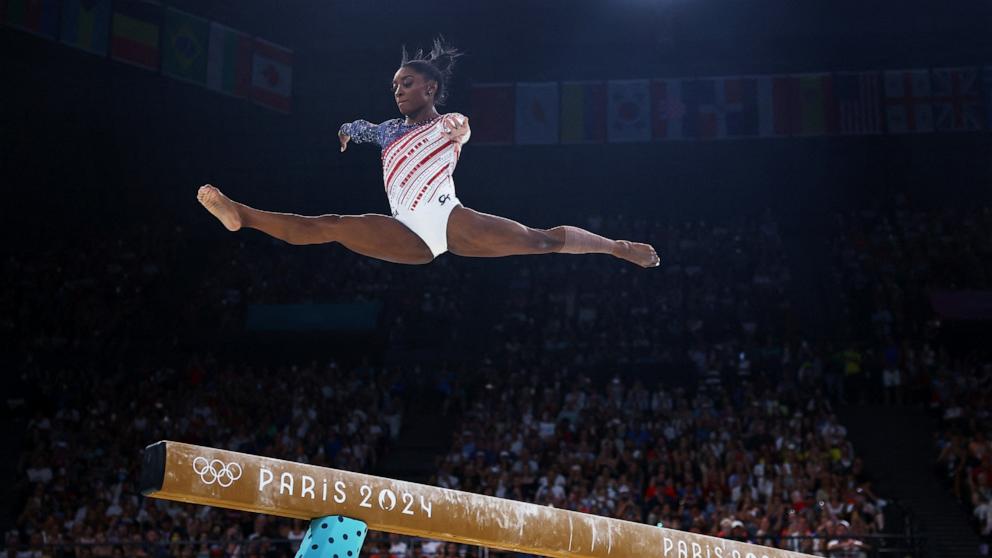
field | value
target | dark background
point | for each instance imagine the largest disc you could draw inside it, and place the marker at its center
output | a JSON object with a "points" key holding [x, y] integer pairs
{"points": [[83, 137], [90, 147]]}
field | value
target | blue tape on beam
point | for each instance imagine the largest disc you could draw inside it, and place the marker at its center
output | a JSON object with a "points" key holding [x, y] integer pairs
{"points": [[333, 536]]}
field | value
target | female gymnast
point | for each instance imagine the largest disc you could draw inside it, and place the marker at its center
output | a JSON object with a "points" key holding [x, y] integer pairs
{"points": [[419, 154]]}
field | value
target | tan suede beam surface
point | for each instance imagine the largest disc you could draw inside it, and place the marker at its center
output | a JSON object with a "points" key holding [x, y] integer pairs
{"points": [[239, 481]]}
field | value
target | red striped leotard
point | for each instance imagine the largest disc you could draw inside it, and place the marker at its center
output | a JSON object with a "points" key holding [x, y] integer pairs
{"points": [[417, 167]]}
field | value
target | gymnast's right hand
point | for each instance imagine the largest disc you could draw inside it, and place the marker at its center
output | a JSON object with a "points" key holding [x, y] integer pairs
{"points": [[344, 139]]}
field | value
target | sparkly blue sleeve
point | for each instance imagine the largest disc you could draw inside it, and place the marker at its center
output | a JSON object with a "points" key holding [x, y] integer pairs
{"points": [[363, 131]]}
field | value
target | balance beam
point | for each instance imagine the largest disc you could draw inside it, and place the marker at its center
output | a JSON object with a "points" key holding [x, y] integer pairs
{"points": [[227, 479]]}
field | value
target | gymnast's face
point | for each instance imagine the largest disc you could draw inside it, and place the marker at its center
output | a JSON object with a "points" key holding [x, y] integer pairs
{"points": [[413, 91]]}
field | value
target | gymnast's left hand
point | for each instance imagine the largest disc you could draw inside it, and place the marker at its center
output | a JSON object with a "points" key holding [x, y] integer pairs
{"points": [[455, 127]]}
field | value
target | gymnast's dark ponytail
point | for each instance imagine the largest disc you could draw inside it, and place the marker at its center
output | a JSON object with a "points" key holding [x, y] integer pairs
{"points": [[437, 65]]}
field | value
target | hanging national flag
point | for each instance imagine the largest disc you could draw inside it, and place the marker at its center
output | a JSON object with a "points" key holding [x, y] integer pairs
{"points": [[493, 113], [185, 39], [229, 61], [957, 103], [537, 113], [778, 106], [628, 111], [704, 118], [86, 25], [721, 108], [583, 112], [272, 75], [135, 32], [858, 97], [908, 102], [817, 107], [740, 106], [40, 17], [669, 112]]}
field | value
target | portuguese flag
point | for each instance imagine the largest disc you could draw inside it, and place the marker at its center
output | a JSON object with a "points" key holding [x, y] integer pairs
{"points": [[135, 32]]}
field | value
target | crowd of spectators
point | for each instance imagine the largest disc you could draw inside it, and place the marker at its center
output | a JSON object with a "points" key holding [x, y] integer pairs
{"points": [[721, 315], [743, 459], [963, 399], [888, 265], [718, 283], [118, 342], [706, 351], [888, 261], [80, 467]]}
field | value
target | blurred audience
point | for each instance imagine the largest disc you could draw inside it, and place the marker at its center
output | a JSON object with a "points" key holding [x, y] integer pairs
{"points": [[691, 396]]}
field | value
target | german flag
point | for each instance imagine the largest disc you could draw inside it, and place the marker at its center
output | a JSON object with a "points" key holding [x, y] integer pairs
{"points": [[134, 36]]}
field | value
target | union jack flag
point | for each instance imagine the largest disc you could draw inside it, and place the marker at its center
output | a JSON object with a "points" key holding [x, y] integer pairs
{"points": [[957, 103]]}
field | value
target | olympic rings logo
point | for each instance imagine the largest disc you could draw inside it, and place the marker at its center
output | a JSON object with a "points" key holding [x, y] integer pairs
{"points": [[216, 471]]}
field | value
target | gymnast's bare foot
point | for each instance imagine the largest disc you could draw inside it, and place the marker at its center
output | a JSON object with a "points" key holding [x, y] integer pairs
{"points": [[220, 206], [638, 253]]}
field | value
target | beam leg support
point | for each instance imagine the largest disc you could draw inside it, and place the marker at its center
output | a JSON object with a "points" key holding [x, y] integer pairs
{"points": [[333, 536]]}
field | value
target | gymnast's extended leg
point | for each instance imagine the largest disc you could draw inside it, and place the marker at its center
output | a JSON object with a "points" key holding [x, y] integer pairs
{"points": [[376, 236], [475, 234]]}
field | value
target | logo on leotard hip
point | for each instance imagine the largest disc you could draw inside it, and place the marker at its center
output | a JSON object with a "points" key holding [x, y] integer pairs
{"points": [[216, 471], [443, 199]]}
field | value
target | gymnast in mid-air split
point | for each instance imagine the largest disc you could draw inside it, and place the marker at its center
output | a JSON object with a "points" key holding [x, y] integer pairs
{"points": [[419, 154]]}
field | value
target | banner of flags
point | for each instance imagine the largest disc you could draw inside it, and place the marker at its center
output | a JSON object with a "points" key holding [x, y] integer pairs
{"points": [[180, 45], [908, 101], [183, 46]]}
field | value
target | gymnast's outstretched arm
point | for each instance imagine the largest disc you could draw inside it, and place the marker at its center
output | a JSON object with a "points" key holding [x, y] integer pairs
{"points": [[362, 131]]}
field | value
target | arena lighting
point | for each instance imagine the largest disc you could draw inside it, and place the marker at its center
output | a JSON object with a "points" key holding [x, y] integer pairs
{"points": [[342, 506]]}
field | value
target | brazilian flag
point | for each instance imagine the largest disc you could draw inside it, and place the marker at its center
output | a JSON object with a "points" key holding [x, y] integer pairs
{"points": [[185, 43]]}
